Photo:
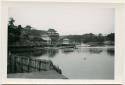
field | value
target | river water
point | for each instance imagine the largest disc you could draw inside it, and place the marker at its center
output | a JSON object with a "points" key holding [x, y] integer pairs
{"points": [[80, 63]]}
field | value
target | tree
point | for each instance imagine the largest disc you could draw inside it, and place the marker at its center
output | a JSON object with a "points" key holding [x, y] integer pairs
{"points": [[100, 38], [75, 38], [14, 32], [11, 21], [53, 35], [110, 37], [89, 38], [28, 27]]}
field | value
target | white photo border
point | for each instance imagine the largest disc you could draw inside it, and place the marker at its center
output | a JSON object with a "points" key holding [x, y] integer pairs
{"points": [[119, 44]]}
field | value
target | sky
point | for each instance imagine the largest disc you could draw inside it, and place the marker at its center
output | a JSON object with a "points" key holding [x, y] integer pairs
{"points": [[65, 19]]}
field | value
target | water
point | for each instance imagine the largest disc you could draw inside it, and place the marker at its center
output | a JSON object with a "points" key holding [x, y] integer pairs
{"points": [[81, 63]]}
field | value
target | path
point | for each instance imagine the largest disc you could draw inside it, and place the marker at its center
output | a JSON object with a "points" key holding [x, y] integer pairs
{"points": [[38, 75]]}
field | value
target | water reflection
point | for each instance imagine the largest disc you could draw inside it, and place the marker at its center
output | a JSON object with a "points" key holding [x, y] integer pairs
{"points": [[52, 52], [68, 50], [95, 50], [35, 53], [39, 53], [84, 58], [110, 51]]}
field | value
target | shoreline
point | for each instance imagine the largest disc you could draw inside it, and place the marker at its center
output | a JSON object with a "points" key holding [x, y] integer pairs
{"points": [[39, 75]]}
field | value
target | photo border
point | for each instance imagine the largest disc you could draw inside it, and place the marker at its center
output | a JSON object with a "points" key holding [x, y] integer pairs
{"points": [[119, 46]]}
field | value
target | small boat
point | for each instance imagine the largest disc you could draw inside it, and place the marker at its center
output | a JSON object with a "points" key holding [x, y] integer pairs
{"points": [[68, 50]]}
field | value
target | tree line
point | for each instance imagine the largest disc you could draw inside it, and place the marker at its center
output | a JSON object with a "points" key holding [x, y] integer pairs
{"points": [[23, 35], [90, 37], [27, 35]]}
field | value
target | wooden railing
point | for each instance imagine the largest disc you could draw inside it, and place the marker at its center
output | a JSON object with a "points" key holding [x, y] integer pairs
{"points": [[20, 64]]}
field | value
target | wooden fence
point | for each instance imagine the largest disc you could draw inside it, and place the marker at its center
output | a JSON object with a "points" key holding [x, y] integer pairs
{"points": [[20, 64]]}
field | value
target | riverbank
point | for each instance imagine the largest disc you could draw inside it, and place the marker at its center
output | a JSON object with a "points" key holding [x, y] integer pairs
{"points": [[51, 74], [24, 67]]}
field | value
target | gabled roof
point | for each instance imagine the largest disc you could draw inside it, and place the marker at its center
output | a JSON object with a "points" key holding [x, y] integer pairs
{"points": [[51, 30]]}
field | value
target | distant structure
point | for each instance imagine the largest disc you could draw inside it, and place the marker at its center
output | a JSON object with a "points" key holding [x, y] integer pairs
{"points": [[51, 32], [51, 37], [46, 38], [66, 41]]}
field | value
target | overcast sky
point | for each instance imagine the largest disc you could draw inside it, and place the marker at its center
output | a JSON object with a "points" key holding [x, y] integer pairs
{"points": [[66, 19]]}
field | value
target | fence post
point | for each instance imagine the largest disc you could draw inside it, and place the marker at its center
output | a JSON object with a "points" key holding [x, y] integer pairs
{"points": [[48, 65], [28, 64], [39, 65], [10, 63], [21, 64], [45, 65], [15, 64]]}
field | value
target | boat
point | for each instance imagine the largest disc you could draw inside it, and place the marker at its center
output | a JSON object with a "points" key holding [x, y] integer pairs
{"points": [[68, 50]]}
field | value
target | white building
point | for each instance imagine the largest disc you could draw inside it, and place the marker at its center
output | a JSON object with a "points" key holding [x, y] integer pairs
{"points": [[46, 38], [66, 41]]}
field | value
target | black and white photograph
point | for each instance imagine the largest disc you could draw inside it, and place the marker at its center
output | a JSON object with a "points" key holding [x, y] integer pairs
{"points": [[61, 41]]}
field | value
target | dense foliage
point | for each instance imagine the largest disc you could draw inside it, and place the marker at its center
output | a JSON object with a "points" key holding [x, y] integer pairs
{"points": [[90, 37], [23, 35]]}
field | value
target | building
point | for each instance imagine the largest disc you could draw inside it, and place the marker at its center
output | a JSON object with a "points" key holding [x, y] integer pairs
{"points": [[46, 38], [65, 41], [51, 32]]}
